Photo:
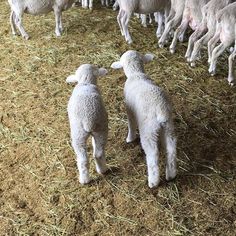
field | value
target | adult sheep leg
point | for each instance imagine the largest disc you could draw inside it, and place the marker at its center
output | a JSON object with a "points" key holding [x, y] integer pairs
{"points": [[215, 54], [58, 18], [170, 145], [18, 21], [149, 141], [79, 139], [160, 22], [125, 23], [197, 46], [99, 141], [170, 25], [13, 24], [193, 38], [179, 31], [213, 41], [119, 17], [231, 75]]}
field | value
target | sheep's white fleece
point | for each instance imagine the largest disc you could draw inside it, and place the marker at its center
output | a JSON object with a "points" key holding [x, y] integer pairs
{"points": [[149, 109], [88, 116]]}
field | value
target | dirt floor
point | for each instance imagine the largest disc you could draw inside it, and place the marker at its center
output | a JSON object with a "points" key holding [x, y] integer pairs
{"points": [[39, 189]]}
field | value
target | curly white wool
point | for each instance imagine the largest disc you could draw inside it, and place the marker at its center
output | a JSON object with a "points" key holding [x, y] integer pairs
{"points": [[149, 109], [88, 116]]}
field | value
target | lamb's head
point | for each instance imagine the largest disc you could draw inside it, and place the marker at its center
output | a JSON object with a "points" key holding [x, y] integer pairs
{"points": [[132, 61], [86, 74]]}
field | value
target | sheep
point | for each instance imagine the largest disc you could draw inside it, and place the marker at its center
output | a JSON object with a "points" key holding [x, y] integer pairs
{"points": [[225, 32], [209, 20], [19, 7], [149, 109], [174, 18], [127, 8], [192, 16], [88, 116]]}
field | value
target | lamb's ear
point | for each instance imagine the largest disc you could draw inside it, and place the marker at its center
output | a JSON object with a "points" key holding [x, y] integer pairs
{"points": [[148, 57], [116, 65], [102, 72], [72, 79]]}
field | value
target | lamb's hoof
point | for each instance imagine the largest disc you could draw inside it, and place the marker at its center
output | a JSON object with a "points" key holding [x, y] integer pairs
{"points": [[231, 81], [84, 180], [129, 41], [172, 50], [58, 33], [102, 171], [153, 183], [161, 45], [192, 64], [211, 72], [188, 59], [170, 175], [130, 139]]}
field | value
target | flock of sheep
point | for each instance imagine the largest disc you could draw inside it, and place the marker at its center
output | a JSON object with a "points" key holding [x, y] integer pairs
{"points": [[148, 107]]}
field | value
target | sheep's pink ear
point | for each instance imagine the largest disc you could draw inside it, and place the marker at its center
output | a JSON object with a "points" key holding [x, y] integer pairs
{"points": [[148, 57], [102, 72], [116, 65], [71, 79]]}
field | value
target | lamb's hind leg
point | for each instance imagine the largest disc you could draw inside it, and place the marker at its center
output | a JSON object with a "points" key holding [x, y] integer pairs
{"points": [[13, 24], [131, 127], [99, 141], [79, 139], [18, 21], [170, 145], [149, 141]]}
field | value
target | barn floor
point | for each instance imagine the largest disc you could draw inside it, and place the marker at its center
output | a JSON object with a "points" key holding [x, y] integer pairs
{"points": [[39, 189]]}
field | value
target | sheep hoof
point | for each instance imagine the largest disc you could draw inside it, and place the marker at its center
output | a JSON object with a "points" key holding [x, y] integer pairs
{"points": [[129, 41], [161, 45], [130, 139], [26, 37], [170, 175], [192, 64], [84, 180], [188, 59], [172, 50], [231, 82], [153, 184], [212, 72]]}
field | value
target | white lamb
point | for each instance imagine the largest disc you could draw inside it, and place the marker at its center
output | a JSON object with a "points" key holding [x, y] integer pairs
{"points": [[19, 7], [149, 109], [88, 116]]}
